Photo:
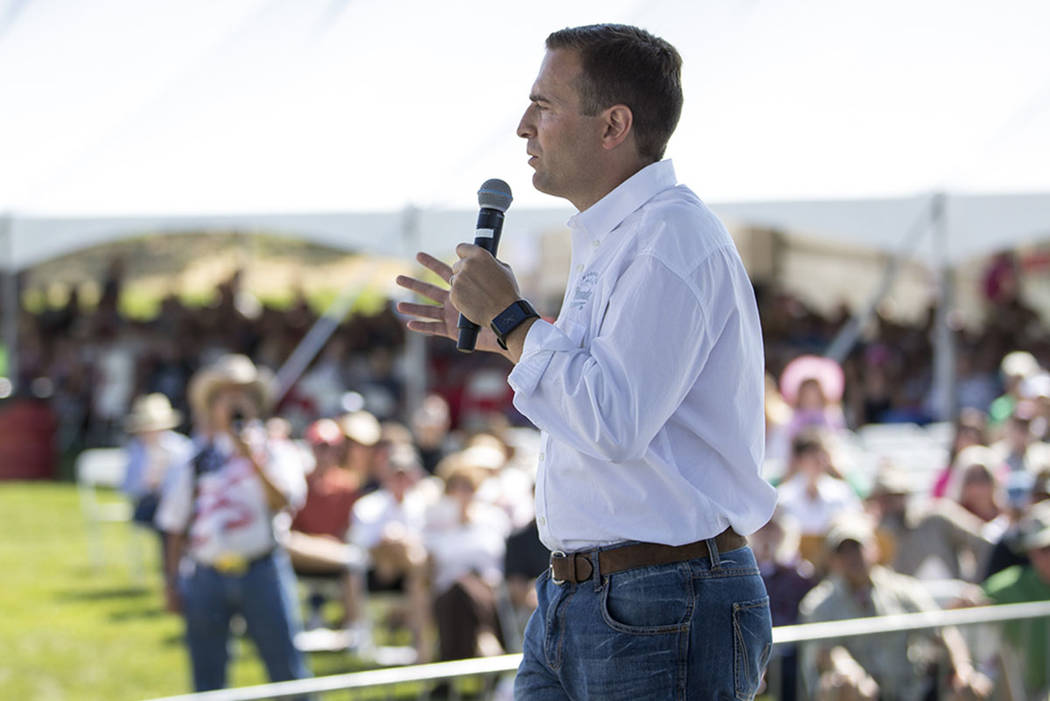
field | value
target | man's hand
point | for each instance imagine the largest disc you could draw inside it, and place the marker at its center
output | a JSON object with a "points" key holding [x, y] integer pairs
{"points": [[967, 684], [482, 287], [441, 318]]}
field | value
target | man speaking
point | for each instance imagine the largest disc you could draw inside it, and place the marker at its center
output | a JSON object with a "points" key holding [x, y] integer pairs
{"points": [[648, 391]]}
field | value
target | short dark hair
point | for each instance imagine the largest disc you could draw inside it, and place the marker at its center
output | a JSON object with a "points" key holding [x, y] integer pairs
{"points": [[629, 66], [808, 440]]}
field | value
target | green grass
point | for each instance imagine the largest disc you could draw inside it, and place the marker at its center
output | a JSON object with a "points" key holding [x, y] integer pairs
{"points": [[69, 630]]}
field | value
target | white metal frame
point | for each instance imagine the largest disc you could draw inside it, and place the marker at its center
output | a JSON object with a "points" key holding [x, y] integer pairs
{"points": [[807, 632]]}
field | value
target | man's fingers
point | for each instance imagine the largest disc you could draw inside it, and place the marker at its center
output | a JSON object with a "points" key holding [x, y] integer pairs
{"points": [[426, 289], [430, 328], [438, 267], [425, 311], [466, 250]]}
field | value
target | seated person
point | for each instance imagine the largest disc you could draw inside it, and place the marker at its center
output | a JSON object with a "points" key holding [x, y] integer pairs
{"points": [[363, 434], [525, 559], [788, 578], [811, 495], [315, 541], [1023, 583], [388, 525], [976, 486], [935, 540], [431, 424], [465, 539], [1009, 551], [894, 666]]}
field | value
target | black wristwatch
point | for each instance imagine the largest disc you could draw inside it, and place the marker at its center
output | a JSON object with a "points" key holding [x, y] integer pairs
{"points": [[511, 318]]}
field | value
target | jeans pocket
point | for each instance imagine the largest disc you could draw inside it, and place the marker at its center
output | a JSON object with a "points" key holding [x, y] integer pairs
{"points": [[648, 601], [752, 644]]}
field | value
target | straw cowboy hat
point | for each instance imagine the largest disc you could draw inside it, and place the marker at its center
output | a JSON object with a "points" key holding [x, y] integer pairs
{"points": [[231, 370], [152, 412], [361, 427]]}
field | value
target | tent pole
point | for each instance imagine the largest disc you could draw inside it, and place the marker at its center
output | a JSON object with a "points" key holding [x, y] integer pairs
{"points": [[847, 337], [315, 338], [11, 303], [944, 351]]}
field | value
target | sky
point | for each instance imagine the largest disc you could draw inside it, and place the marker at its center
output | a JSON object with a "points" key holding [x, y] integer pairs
{"points": [[232, 106]]}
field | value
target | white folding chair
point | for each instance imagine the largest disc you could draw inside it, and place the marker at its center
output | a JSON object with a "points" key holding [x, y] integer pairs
{"points": [[104, 468]]}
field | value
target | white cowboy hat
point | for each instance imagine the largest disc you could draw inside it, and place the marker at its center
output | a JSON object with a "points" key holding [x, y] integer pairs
{"points": [[152, 412], [231, 370]]}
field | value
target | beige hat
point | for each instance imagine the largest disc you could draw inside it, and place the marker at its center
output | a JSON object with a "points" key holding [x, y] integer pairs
{"points": [[229, 370], [1019, 364], [891, 479], [852, 526], [152, 412], [1035, 527], [361, 427]]}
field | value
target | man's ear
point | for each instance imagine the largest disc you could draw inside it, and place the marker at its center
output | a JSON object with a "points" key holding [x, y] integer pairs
{"points": [[618, 121]]}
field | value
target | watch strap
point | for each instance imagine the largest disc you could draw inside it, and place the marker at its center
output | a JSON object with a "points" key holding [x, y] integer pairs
{"points": [[516, 314]]}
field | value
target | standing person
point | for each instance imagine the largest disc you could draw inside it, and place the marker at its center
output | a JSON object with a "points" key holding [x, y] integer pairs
{"points": [[153, 448], [648, 390], [218, 514]]}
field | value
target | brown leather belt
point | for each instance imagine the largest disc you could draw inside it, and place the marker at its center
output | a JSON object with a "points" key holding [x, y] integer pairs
{"points": [[576, 567]]}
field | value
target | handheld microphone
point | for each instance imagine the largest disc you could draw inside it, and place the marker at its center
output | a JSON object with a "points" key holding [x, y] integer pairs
{"points": [[494, 198]]}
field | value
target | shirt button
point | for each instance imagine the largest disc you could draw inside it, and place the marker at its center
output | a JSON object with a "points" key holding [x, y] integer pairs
{"points": [[542, 456], [596, 243], [579, 268], [542, 521]]}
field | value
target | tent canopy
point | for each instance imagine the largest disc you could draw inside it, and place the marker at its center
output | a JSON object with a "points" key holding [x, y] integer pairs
{"points": [[352, 123]]}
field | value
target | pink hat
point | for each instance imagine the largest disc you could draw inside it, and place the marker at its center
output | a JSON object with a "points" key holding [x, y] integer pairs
{"points": [[825, 371]]}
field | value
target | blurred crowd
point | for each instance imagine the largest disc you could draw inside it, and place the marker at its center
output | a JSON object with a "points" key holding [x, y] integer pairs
{"points": [[91, 362], [854, 537], [244, 509], [342, 486]]}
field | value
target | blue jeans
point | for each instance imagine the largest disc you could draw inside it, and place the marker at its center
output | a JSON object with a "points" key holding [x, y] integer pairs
{"points": [[698, 629], [264, 596]]}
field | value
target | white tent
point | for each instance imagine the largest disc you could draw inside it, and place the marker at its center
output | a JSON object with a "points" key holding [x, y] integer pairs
{"points": [[322, 110], [363, 123]]}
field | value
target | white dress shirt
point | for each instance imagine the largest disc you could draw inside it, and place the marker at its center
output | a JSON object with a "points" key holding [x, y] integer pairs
{"points": [[649, 386]]}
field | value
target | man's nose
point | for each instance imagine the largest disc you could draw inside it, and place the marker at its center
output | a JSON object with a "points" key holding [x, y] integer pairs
{"points": [[525, 125]]}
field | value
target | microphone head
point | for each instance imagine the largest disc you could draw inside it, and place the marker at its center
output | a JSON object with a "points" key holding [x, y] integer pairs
{"points": [[495, 194]]}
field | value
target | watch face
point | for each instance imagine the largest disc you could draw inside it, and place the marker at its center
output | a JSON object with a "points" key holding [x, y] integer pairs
{"points": [[512, 317]]}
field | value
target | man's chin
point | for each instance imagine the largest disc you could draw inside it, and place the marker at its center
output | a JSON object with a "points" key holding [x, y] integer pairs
{"points": [[543, 184]]}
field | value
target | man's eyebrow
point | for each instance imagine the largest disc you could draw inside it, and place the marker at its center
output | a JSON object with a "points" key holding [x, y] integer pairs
{"points": [[534, 97]]}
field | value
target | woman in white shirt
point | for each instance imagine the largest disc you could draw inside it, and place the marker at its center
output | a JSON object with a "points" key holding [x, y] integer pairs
{"points": [[465, 539]]}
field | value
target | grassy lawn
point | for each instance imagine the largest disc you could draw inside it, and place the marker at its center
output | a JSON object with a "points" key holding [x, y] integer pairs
{"points": [[69, 630]]}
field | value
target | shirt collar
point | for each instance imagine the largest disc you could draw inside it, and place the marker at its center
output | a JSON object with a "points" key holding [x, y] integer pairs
{"points": [[608, 212]]}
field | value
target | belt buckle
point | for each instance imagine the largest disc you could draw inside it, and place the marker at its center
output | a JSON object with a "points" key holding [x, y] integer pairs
{"points": [[560, 555], [231, 563]]}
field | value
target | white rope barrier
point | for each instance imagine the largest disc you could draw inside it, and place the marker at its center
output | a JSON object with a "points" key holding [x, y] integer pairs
{"points": [[805, 632]]}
